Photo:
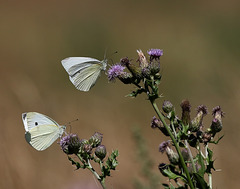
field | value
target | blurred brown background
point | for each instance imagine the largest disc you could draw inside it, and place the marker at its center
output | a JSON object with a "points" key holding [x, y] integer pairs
{"points": [[201, 46]]}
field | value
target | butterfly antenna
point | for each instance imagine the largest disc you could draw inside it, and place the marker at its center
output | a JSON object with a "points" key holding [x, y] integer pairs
{"points": [[69, 124], [105, 54]]}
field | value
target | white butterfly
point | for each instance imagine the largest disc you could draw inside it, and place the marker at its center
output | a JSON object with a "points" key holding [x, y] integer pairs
{"points": [[83, 71], [41, 130]]}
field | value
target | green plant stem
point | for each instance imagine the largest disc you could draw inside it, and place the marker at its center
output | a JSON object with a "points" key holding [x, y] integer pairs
{"points": [[89, 167], [209, 174], [191, 156], [161, 117], [102, 181]]}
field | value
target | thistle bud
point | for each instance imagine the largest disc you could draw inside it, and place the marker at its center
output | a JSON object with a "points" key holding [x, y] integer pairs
{"points": [[87, 148], [96, 139], [216, 125], [135, 71], [70, 144], [190, 167], [154, 67], [101, 152], [172, 156], [167, 106], [196, 123], [186, 109], [185, 154], [126, 78]]}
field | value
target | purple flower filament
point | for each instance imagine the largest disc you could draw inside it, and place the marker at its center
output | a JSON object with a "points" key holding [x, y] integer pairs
{"points": [[115, 71]]}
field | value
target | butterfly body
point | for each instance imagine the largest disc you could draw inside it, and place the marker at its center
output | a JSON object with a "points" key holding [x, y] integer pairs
{"points": [[83, 71], [41, 130]]}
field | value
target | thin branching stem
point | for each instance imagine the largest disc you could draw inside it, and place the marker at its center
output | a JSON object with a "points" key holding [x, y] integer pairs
{"points": [[161, 117], [89, 167], [191, 156], [209, 174]]}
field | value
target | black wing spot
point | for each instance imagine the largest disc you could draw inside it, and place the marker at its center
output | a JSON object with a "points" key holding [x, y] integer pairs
{"points": [[24, 115], [36, 123]]}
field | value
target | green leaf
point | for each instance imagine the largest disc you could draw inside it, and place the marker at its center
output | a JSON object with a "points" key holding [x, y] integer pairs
{"points": [[210, 161], [216, 142], [105, 172], [77, 164], [200, 182], [200, 161], [183, 133], [112, 161], [168, 173], [166, 186], [135, 93]]}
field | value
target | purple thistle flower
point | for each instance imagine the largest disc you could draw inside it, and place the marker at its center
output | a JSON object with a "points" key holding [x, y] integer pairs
{"points": [[155, 53], [115, 71], [70, 144]]}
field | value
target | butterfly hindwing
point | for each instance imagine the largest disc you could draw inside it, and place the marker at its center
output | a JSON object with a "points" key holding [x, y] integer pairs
{"points": [[87, 78]]}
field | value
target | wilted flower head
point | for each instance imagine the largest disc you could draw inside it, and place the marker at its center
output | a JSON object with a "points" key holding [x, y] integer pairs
{"points": [[135, 70], [217, 112], [203, 109], [196, 123], [186, 108], [70, 144], [173, 157], [156, 123], [163, 146], [142, 59], [115, 71], [155, 53]]}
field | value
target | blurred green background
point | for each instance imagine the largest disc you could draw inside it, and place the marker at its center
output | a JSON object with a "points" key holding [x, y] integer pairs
{"points": [[201, 46]]}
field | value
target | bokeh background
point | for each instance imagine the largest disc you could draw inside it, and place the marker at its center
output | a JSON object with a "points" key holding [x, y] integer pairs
{"points": [[201, 46]]}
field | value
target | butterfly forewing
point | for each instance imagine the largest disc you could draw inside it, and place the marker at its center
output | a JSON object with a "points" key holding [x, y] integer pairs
{"points": [[83, 71], [33, 119], [41, 130], [75, 64]]}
